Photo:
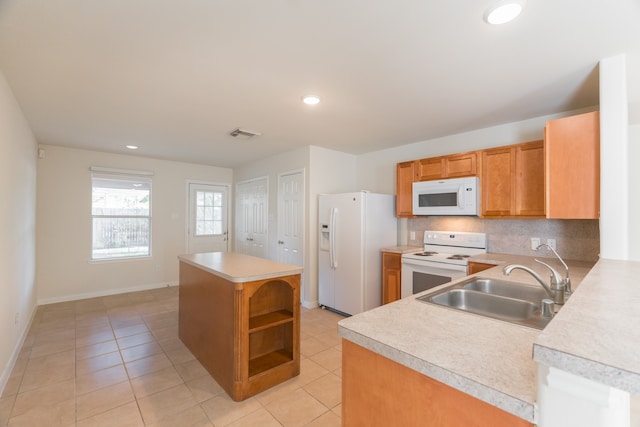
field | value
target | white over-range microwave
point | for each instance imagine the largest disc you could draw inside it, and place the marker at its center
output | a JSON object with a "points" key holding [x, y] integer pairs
{"points": [[454, 196]]}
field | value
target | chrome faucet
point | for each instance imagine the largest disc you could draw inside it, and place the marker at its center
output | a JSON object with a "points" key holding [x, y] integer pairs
{"points": [[567, 281], [556, 291]]}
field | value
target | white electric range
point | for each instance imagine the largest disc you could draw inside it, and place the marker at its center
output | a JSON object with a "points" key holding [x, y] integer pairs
{"points": [[445, 257]]}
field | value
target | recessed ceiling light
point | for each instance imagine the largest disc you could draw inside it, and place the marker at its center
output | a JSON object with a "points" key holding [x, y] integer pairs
{"points": [[310, 99], [504, 11], [132, 147]]}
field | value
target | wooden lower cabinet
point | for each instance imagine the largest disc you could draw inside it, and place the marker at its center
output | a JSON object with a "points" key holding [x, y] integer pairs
{"points": [[377, 391], [391, 283], [476, 267], [246, 335]]}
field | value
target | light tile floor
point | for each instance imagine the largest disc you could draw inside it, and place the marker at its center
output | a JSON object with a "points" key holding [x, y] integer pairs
{"points": [[118, 361]]}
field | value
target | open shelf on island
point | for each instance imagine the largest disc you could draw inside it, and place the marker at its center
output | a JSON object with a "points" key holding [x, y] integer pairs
{"points": [[269, 320], [269, 361]]}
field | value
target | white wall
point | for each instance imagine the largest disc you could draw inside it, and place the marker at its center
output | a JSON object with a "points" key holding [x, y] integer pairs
{"points": [[18, 149], [271, 167], [614, 159], [326, 171], [634, 194], [64, 269]]}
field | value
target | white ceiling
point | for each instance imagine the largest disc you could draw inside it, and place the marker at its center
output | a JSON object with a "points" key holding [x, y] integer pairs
{"points": [[176, 76]]}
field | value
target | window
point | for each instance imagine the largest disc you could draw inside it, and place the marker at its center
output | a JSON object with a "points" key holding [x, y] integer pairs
{"points": [[121, 216], [208, 213]]}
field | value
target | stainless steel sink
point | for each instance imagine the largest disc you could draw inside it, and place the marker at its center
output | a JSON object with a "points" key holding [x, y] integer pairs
{"points": [[499, 299], [503, 288]]}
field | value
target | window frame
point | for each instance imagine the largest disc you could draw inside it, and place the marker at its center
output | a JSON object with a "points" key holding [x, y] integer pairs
{"points": [[144, 178]]}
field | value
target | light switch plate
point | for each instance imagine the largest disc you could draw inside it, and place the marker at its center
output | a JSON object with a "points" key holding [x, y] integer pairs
{"points": [[552, 243], [535, 242]]}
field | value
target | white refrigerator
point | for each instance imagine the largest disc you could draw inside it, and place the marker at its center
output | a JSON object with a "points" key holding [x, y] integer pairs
{"points": [[353, 229]]}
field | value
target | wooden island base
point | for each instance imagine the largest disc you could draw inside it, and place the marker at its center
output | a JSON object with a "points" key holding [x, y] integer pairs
{"points": [[245, 334]]}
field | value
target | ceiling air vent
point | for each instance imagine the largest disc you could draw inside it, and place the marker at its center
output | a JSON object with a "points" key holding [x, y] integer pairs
{"points": [[244, 133]]}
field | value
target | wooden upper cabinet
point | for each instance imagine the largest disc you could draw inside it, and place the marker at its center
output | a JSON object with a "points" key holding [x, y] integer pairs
{"points": [[529, 185], [459, 165], [405, 175], [572, 160], [497, 192], [512, 180], [456, 165], [431, 168]]}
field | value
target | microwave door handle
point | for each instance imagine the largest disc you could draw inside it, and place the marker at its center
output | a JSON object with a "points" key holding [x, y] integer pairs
{"points": [[461, 190]]}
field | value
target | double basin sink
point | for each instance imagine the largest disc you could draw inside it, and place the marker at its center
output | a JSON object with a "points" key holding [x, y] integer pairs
{"points": [[499, 299]]}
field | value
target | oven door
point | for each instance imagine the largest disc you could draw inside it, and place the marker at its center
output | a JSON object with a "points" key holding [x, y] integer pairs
{"points": [[418, 276]]}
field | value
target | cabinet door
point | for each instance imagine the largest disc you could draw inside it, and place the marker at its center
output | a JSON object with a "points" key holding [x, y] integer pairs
{"points": [[498, 166], [405, 175], [572, 160], [377, 391], [529, 178], [431, 168], [391, 267], [477, 267], [460, 165]]}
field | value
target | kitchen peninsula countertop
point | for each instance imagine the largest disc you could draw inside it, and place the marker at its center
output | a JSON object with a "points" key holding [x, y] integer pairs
{"points": [[239, 268], [485, 358], [596, 336]]}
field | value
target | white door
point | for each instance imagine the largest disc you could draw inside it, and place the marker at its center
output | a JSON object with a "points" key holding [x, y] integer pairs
{"points": [[207, 223], [291, 217], [252, 217]]}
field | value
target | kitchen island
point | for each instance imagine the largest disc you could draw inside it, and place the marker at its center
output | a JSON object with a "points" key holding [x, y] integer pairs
{"points": [[486, 359], [240, 317]]}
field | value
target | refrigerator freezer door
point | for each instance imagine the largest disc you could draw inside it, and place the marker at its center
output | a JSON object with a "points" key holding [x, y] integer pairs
{"points": [[325, 271]]}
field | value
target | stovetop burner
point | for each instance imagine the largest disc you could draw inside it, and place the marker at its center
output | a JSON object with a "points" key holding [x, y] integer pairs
{"points": [[458, 256], [447, 247]]}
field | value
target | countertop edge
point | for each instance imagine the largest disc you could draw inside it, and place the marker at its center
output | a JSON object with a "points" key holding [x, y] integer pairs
{"points": [[590, 369], [242, 279], [505, 402], [591, 336]]}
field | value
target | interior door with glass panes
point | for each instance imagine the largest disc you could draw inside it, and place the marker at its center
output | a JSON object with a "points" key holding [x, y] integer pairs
{"points": [[207, 230]]}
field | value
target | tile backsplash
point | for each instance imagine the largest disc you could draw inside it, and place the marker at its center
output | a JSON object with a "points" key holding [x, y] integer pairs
{"points": [[575, 239]]}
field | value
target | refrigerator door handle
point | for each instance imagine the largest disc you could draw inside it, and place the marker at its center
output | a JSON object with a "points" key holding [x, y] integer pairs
{"points": [[332, 238]]}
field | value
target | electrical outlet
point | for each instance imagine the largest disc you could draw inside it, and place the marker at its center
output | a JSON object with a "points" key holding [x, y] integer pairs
{"points": [[17, 318], [551, 243], [535, 242], [412, 235]]}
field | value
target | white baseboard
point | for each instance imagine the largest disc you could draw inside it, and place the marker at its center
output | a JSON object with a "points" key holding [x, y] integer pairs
{"points": [[310, 304], [105, 293], [6, 373]]}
